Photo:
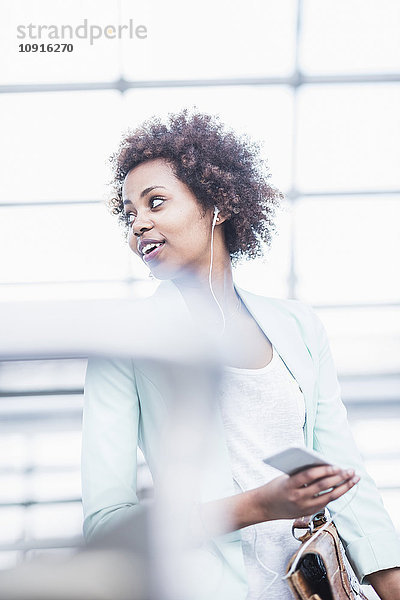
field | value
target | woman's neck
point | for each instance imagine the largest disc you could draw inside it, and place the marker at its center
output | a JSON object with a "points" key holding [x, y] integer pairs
{"points": [[197, 294]]}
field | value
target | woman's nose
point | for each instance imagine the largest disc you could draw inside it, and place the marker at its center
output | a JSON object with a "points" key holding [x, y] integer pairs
{"points": [[141, 225]]}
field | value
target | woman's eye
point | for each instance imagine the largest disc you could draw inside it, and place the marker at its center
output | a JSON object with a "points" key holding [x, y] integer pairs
{"points": [[129, 218], [154, 202]]}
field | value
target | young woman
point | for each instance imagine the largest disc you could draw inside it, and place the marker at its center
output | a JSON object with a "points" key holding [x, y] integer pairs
{"points": [[194, 198]]}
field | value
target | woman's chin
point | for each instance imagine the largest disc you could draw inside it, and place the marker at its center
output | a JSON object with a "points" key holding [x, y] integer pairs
{"points": [[162, 271]]}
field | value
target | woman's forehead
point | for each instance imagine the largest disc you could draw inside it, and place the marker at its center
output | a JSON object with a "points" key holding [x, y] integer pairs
{"points": [[150, 173], [150, 168]]}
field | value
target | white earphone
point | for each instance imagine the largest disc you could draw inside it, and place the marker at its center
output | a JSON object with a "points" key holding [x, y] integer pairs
{"points": [[216, 211]]}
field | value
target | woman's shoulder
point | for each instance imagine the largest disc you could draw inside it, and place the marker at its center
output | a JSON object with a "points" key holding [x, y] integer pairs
{"points": [[289, 306], [285, 316]]}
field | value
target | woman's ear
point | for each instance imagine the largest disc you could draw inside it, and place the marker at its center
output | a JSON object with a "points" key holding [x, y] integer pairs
{"points": [[220, 217]]}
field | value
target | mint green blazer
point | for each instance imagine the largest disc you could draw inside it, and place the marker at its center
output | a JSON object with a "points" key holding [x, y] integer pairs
{"points": [[124, 408]]}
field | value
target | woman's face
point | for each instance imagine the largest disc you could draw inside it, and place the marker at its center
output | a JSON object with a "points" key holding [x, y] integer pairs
{"points": [[161, 210]]}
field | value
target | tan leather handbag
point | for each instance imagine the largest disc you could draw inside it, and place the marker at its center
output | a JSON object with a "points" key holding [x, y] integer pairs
{"points": [[318, 571]]}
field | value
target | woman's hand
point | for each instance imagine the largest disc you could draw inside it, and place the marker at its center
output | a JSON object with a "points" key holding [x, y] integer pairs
{"points": [[307, 492], [386, 583], [286, 497]]}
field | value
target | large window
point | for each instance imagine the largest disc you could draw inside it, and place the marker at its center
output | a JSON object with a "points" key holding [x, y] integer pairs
{"points": [[318, 83]]}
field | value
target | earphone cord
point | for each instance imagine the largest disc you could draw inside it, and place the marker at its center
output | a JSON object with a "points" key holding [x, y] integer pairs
{"points": [[259, 560], [209, 275], [329, 520]]}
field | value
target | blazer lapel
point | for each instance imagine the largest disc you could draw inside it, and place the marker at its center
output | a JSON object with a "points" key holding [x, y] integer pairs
{"points": [[281, 328]]}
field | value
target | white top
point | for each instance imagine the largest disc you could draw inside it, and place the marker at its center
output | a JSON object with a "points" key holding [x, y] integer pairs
{"points": [[263, 411]]}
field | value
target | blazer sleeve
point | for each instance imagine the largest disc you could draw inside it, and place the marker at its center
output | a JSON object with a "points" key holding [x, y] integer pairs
{"points": [[109, 444], [363, 523]]}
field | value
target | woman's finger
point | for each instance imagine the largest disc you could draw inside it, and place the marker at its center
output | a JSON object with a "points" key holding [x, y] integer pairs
{"points": [[321, 499], [308, 476], [327, 483]]}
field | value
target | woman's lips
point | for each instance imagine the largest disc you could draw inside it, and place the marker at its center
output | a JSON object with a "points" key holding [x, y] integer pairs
{"points": [[153, 254]]}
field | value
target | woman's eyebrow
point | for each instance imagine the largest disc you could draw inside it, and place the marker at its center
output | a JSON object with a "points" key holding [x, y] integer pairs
{"points": [[146, 191]]}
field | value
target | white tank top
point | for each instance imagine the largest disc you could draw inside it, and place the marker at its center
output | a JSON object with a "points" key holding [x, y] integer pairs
{"points": [[263, 412]]}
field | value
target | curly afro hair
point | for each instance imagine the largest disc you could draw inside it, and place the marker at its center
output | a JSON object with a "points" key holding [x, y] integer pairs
{"points": [[219, 166]]}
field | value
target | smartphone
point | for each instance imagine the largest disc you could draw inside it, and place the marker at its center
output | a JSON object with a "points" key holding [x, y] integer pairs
{"points": [[293, 460]]}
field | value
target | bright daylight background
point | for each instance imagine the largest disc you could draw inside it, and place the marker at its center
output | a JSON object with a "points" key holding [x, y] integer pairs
{"points": [[318, 81]]}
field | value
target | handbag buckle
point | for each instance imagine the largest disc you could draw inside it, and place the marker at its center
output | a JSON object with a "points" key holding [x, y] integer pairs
{"points": [[315, 522]]}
